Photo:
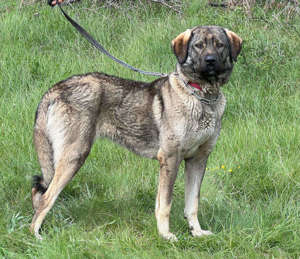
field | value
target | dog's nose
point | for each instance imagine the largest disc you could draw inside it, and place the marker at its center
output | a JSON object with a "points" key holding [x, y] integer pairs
{"points": [[210, 59]]}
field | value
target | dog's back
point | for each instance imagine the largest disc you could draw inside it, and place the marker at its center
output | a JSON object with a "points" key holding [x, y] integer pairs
{"points": [[90, 106]]}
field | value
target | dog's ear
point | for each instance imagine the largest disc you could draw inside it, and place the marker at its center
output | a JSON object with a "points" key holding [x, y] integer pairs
{"points": [[180, 45], [236, 43]]}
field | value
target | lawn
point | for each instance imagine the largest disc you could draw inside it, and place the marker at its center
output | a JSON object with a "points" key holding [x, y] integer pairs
{"points": [[250, 197]]}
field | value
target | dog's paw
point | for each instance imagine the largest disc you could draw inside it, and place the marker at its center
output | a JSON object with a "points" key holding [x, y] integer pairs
{"points": [[38, 236], [35, 233], [170, 237], [200, 233]]}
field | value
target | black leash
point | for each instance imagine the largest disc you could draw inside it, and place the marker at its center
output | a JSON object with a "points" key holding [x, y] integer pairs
{"points": [[97, 45]]}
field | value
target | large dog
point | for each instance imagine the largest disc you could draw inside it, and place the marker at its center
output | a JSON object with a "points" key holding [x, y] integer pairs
{"points": [[171, 119]]}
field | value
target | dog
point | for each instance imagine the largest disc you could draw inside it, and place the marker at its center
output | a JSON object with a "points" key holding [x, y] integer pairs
{"points": [[171, 119]]}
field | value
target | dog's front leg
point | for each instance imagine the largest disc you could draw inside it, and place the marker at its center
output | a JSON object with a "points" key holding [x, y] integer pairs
{"points": [[194, 173], [167, 176]]}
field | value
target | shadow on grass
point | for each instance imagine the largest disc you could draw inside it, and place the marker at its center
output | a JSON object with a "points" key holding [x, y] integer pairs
{"points": [[135, 210]]}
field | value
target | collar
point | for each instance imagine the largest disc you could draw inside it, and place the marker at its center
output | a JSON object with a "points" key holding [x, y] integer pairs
{"points": [[191, 88], [195, 85]]}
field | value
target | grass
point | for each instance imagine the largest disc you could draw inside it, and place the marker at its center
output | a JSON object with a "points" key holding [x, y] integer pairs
{"points": [[251, 193]]}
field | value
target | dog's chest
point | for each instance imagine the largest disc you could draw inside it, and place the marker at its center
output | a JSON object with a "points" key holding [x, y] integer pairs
{"points": [[196, 129]]}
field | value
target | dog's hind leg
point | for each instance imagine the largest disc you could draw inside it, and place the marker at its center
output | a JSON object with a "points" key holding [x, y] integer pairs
{"points": [[70, 162], [44, 151], [71, 137]]}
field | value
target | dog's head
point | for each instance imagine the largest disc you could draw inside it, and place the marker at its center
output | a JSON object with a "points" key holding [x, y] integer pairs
{"points": [[207, 53]]}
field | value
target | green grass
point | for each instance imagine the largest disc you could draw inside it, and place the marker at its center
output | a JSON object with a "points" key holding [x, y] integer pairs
{"points": [[251, 194]]}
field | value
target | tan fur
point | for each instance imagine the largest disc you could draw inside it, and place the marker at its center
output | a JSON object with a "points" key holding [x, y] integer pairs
{"points": [[180, 43], [160, 120], [236, 42]]}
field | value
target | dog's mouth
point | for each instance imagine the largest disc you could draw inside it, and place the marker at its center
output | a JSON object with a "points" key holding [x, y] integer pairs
{"points": [[211, 70]]}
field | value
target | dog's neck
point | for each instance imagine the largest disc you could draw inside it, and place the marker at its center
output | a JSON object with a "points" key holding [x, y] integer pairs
{"points": [[205, 88]]}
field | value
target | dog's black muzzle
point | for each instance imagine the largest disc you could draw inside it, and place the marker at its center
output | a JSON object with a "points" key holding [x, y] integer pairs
{"points": [[208, 67], [210, 61]]}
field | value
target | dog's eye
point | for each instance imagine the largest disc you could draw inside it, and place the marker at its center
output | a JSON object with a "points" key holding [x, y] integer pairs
{"points": [[199, 45], [220, 45]]}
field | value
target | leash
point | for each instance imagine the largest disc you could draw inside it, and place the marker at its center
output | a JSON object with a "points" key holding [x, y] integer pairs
{"points": [[97, 45]]}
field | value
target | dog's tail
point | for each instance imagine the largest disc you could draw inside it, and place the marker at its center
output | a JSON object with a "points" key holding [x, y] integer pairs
{"points": [[37, 184], [44, 150], [38, 189]]}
